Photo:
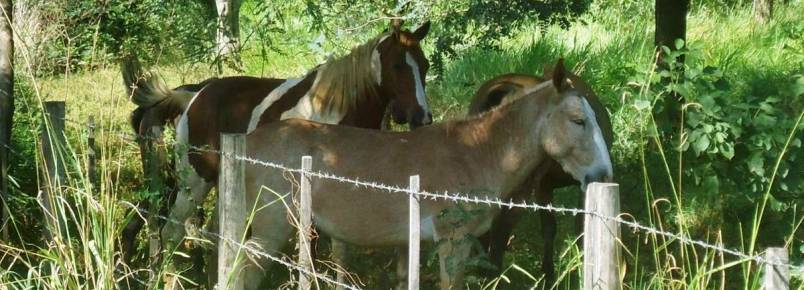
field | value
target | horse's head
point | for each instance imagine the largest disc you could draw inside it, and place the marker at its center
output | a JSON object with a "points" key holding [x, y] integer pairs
{"points": [[571, 134], [400, 68]]}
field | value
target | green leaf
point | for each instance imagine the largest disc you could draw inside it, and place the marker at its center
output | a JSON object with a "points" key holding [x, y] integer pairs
{"points": [[708, 128], [798, 87], [711, 184], [776, 205], [679, 43], [756, 164], [641, 105], [727, 150], [700, 144]]}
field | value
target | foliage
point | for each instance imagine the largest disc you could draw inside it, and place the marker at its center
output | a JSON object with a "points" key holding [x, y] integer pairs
{"points": [[90, 32], [481, 23]]}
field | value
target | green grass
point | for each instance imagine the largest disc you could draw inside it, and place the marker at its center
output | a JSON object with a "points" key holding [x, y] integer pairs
{"points": [[610, 47]]}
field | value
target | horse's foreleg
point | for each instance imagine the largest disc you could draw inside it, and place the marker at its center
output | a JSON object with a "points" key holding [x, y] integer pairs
{"points": [[452, 256], [340, 257], [548, 220], [189, 197], [496, 240], [401, 268]]}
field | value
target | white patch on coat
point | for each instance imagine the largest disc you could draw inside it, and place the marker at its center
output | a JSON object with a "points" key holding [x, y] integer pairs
{"points": [[306, 109], [376, 62], [269, 100]]}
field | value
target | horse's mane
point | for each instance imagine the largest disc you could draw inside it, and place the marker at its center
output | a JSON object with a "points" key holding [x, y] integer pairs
{"points": [[537, 91], [341, 83]]}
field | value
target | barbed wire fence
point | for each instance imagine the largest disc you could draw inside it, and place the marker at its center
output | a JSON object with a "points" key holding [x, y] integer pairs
{"points": [[450, 196], [245, 246]]}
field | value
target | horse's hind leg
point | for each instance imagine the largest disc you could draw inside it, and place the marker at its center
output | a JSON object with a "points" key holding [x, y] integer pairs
{"points": [[129, 235], [452, 257]]}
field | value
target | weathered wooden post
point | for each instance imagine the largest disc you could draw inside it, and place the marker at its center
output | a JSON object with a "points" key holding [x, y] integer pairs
{"points": [[52, 144], [92, 154], [305, 222], [776, 277], [152, 170], [601, 263], [414, 236], [232, 210]]}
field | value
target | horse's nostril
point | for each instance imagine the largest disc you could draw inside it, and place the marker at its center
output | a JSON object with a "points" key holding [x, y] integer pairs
{"points": [[429, 119]]}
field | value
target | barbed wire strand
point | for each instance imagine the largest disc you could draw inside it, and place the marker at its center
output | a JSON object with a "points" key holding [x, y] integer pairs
{"points": [[248, 248], [457, 197]]}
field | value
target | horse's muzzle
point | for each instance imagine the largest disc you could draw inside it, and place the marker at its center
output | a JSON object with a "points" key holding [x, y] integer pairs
{"points": [[598, 174]]}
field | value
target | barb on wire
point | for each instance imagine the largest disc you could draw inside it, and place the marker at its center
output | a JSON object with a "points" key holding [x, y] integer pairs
{"points": [[248, 248]]}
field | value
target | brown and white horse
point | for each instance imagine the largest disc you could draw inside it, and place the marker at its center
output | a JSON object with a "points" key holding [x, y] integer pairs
{"points": [[354, 90], [506, 88], [489, 155]]}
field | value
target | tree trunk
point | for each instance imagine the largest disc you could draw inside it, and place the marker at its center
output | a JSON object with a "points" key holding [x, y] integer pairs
{"points": [[763, 10], [228, 33], [6, 104], [671, 25]]}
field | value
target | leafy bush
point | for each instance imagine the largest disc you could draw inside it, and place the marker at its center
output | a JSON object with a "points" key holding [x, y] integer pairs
{"points": [[85, 33]]}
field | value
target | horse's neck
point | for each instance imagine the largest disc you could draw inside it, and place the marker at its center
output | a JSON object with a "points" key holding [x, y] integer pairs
{"points": [[507, 142], [367, 112]]}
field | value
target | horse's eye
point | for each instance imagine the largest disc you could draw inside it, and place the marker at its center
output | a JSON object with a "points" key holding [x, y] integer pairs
{"points": [[579, 122], [398, 66]]}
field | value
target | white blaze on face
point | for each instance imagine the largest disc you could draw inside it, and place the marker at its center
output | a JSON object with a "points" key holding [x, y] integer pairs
{"points": [[269, 100], [420, 96], [602, 157]]}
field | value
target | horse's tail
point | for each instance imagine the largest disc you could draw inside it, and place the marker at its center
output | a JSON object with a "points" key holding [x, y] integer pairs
{"points": [[144, 88], [149, 92]]}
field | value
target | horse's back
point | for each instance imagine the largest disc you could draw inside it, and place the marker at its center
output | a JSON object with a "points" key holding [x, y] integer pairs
{"points": [[222, 106]]}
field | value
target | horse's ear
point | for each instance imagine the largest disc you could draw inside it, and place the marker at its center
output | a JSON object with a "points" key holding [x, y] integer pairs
{"points": [[422, 31], [396, 25], [560, 76]]}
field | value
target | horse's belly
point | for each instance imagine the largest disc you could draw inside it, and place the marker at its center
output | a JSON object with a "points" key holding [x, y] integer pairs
{"points": [[365, 217], [370, 233]]}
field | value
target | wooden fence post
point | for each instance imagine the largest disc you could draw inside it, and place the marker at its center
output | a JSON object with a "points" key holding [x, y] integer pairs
{"points": [[601, 263], [232, 210], [414, 236], [776, 277], [92, 154], [305, 223], [152, 170], [52, 144]]}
